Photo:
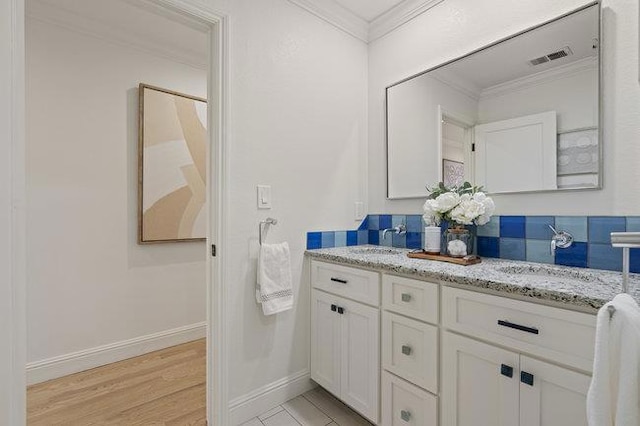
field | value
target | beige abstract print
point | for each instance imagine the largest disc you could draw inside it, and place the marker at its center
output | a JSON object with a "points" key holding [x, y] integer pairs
{"points": [[172, 166]]}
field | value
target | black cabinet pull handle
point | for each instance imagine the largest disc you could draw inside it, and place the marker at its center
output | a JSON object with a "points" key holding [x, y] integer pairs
{"points": [[334, 308], [518, 327], [506, 370], [338, 280], [526, 378], [340, 310]]}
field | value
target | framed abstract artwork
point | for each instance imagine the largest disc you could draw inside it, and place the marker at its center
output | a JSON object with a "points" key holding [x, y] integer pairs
{"points": [[172, 149], [452, 173]]}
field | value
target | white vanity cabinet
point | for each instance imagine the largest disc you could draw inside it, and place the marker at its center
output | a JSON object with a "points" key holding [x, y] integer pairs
{"points": [[409, 352], [345, 336], [483, 384]]}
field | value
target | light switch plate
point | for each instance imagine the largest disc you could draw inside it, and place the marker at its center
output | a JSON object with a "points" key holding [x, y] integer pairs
{"points": [[359, 210], [264, 196]]}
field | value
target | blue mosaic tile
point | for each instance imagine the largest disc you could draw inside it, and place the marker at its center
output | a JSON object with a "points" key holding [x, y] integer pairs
{"points": [[328, 239], [576, 255], [537, 227], [398, 219], [633, 223], [385, 221], [512, 248], [352, 238], [512, 226], [575, 225], [601, 227], [488, 246], [374, 222], [364, 225], [634, 260], [490, 229], [388, 242], [603, 256], [340, 239], [539, 251], [374, 237], [414, 223], [414, 240], [363, 237], [399, 240], [314, 240]]}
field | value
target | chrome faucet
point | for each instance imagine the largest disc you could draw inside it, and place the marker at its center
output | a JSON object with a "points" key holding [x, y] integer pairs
{"points": [[561, 239], [400, 229]]}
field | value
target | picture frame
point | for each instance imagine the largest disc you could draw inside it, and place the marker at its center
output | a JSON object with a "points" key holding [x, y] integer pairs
{"points": [[452, 173], [172, 166]]}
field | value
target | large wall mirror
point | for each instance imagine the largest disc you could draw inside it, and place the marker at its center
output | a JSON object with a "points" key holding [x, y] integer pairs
{"points": [[520, 115]]}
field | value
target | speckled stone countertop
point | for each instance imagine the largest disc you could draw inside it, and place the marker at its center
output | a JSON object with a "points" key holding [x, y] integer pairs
{"points": [[574, 288]]}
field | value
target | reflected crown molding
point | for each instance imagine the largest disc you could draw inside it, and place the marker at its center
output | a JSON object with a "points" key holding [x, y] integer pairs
{"points": [[347, 21], [562, 71]]}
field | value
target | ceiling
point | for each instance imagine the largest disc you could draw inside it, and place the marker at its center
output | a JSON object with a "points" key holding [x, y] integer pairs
{"points": [[369, 10], [508, 61]]}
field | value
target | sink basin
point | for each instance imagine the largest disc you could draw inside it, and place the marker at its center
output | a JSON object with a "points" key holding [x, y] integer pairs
{"points": [[374, 250], [552, 273]]}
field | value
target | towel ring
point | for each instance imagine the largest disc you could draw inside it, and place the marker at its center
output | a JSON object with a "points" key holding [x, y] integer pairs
{"points": [[626, 241], [262, 224]]}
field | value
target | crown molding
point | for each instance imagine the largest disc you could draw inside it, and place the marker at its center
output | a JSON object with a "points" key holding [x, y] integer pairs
{"points": [[542, 77], [349, 22], [398, 16], [336, 15], [45, 12]]}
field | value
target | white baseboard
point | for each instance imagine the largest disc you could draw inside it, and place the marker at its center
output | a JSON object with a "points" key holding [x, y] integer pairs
{"points": [[75, 362], [263, 399]]}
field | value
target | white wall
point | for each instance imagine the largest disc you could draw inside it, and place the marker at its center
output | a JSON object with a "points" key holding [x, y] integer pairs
{"points": [[572, 97], [12, 305], [298, 123], [456, 27], [89, 283]]}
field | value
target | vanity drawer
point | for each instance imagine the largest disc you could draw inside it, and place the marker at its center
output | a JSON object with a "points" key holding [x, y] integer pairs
{"points": [[563, 336], [413, 298], [410, 350], [404, 404], [357, 284]]}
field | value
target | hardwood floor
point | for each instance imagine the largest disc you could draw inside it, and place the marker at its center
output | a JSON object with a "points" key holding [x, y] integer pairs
{"points": [[166, 387]]}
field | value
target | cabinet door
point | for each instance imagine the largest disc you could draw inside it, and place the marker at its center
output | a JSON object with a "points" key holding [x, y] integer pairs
{"points": [[325, 341], [360, 380], [479, 383], [552, 395]]}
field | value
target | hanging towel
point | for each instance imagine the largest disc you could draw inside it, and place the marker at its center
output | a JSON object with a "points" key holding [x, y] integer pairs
{"points": [[614, 394], [274, 290]]}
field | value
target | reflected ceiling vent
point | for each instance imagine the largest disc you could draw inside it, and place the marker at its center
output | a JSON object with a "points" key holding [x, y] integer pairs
{"points": [[566, 51]]}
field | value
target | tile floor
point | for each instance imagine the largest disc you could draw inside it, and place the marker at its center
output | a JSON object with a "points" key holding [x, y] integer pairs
{"points": [[315, 408]]}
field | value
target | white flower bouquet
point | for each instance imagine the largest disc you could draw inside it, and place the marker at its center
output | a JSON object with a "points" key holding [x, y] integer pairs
{"points": [[462, 205]]}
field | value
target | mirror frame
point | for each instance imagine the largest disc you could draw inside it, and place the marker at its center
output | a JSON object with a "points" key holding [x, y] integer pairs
{"points": [[488, 46]]}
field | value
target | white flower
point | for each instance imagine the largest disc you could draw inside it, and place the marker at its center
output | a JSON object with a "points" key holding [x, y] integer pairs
{"points": [[467, 211], [446, 202]]}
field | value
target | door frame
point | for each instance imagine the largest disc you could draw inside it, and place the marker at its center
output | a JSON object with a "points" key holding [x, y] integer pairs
{"points": [[13, 112], [463, 121]]}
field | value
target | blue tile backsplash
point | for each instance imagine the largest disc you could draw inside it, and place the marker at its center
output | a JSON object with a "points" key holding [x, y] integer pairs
{"points": [[508, 237]]}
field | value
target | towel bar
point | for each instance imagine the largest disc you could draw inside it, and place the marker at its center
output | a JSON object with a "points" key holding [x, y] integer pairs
{"points": [[626, 241], [267, 221]]}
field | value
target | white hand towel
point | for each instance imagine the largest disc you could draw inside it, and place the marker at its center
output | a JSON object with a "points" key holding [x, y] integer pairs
{"points": [[614, 394], [274, 290]]}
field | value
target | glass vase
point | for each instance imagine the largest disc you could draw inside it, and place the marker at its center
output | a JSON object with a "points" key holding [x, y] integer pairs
{"points": [[458, 241]]}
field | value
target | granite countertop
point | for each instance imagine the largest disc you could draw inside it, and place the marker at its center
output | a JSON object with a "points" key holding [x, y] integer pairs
{"points": [[573, 288]]}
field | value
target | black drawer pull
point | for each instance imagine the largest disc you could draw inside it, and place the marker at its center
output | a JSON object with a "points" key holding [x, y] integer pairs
{"points": [[338, 280], [340, 310], [506, 370], [334, 308], [526, 378], [518, 327]]}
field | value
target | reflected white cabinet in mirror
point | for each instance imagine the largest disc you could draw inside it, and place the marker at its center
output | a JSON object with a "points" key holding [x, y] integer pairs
{"points": [[521, 115]]}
